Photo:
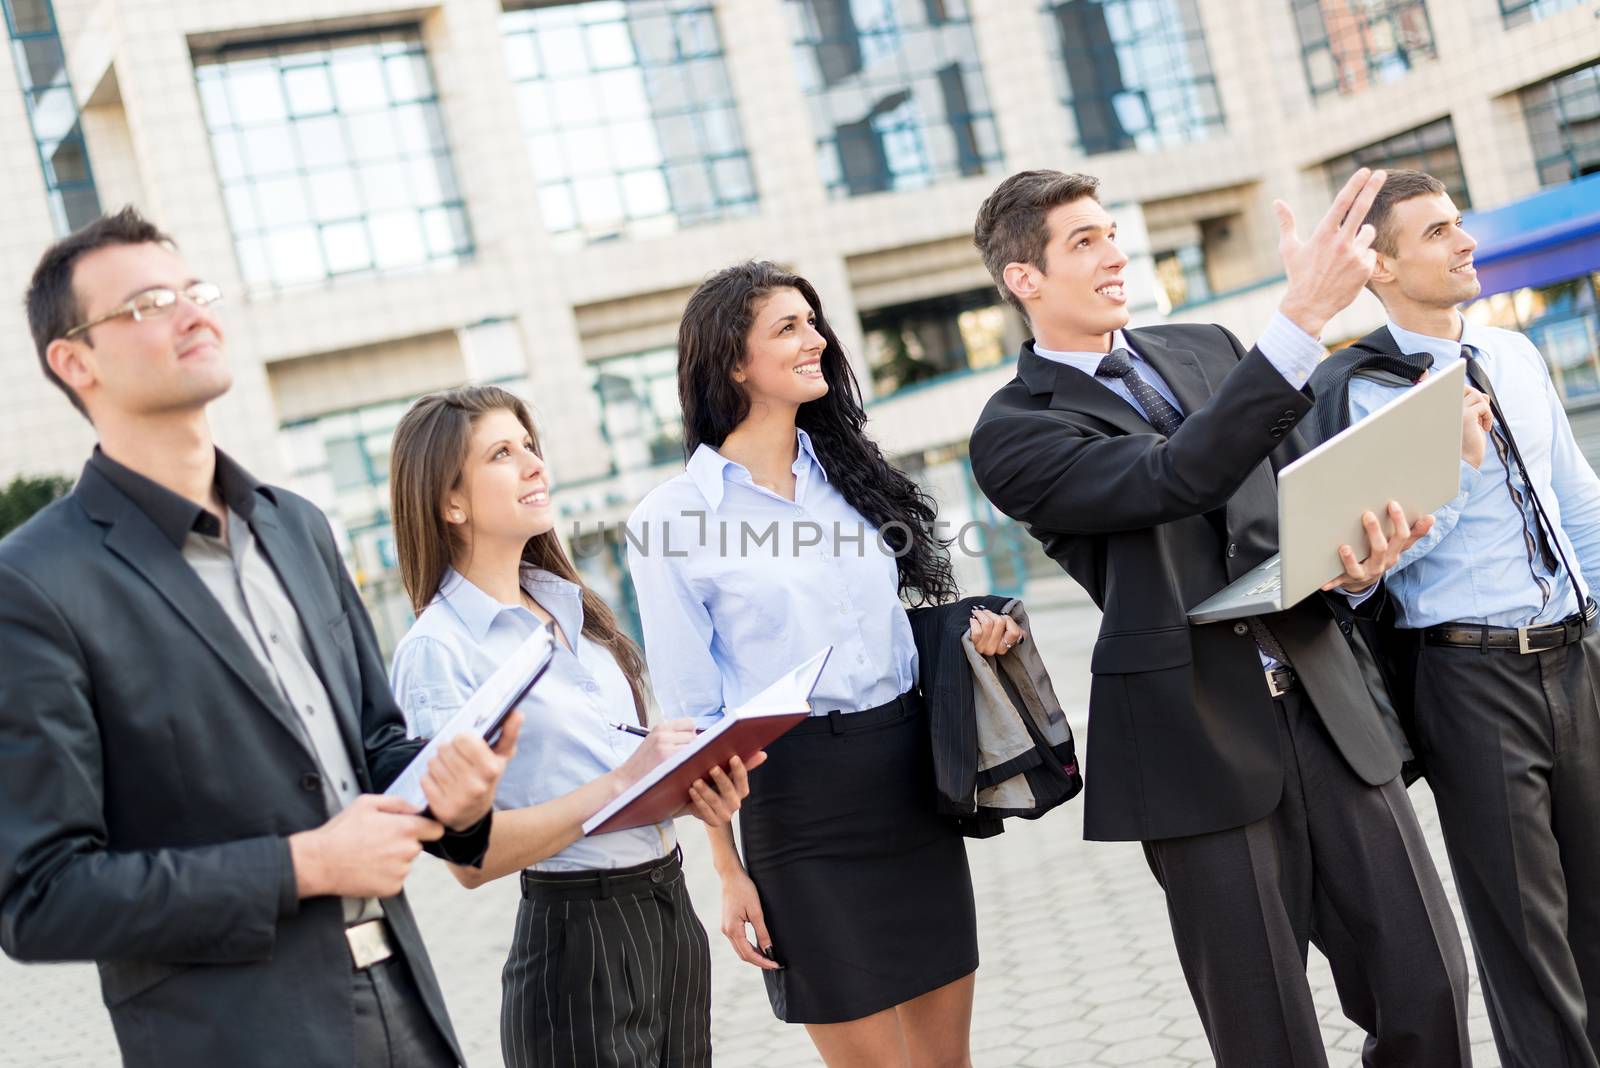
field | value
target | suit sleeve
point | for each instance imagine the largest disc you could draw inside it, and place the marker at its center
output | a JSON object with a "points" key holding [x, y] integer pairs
{"points": [[63, 894], [1045, 471], [383, 727]]}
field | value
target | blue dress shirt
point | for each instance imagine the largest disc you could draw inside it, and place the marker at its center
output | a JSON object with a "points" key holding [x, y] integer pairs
{"points": [[567, 739], [737, 585], [1473, 565]]}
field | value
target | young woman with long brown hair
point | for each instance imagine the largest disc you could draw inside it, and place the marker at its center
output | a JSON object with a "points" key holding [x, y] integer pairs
{"points": [[609, 965], [789, 531]]}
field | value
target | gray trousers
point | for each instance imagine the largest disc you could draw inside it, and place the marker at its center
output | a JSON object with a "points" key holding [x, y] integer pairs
{"points": [[1511, 746], [392, 1025], [1340, 864]]}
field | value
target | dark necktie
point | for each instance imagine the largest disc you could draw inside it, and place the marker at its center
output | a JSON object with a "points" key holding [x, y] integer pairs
{"points": [[1160, 413], [1539, 540]]}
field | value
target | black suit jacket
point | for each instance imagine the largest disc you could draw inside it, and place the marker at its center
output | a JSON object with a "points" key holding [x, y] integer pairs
{"points": [[1183, 738], [150, 773]]}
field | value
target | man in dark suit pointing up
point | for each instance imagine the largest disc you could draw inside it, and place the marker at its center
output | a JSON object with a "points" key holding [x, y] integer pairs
{"points": [[195, 720], [1248, 757]]}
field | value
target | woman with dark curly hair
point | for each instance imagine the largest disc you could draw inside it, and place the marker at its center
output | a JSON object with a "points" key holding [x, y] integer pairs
{"points": [[789, 531]]}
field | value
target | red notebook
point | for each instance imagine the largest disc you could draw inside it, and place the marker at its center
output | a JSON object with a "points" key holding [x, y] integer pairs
{"points": [[741, 732]]}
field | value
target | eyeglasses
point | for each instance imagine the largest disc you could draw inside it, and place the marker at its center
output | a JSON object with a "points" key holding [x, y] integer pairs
{"points": [[153, 303]]}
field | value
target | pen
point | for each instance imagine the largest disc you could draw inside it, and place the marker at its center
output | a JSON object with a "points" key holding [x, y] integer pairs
{"points": [[641, 732]]}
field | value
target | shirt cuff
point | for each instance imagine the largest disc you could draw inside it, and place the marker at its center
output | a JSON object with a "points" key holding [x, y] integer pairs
{"points": [[1290, 349], [468, 847], [1358, 599], [1469, 478], [288, 886]]}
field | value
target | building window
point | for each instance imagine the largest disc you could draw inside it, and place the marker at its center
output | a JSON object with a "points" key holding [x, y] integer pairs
{"points": [[1517, 12], [332, 156], [897, 97], [1430, 148], [1347, 45], [639, 412], [1563, 320], [911, 343], [1563, 117], [1182, 274], [1137, 74], [629, 116], [52, 113]]}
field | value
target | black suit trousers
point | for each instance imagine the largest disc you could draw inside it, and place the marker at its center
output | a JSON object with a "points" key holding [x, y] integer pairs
{"points": [[1338, 863], [1511, 744]]}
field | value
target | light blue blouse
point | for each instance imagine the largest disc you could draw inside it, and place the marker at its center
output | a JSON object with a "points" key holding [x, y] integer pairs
{"points": [[457, 643], [737, 585]]}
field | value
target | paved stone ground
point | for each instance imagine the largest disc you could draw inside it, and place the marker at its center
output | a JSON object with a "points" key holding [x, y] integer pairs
{"points": [[1077, 960]]}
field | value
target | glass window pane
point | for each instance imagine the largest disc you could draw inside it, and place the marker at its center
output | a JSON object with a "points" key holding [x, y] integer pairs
{"points": [[40, 61], [605, 96], [888, 90], [349, 173], [309, 90], [31, 16], [334, 194], [256, 93], [269, 149], [397, 239], [322, 141], [345, 245]]}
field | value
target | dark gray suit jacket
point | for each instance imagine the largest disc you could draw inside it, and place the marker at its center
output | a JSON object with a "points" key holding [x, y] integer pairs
{"points": [[150, 772], [1182, 736]]}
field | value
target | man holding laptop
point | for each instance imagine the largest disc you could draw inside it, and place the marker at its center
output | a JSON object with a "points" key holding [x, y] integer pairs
{"points": [[1494, 606], [1145, 461]]}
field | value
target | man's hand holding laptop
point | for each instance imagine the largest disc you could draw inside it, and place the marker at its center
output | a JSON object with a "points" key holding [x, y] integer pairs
{"points": [[1384, 551]]}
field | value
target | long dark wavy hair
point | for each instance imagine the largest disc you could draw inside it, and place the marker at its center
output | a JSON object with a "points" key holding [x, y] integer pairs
{"points": [[711, 345]]}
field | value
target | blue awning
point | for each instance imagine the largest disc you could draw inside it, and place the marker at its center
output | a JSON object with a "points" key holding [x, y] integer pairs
{"points": [[1548, 237]]}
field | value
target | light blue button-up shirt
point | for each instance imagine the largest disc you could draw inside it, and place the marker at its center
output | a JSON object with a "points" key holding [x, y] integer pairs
{"points": [[1473, 566], [567, 739], [737, 585]]}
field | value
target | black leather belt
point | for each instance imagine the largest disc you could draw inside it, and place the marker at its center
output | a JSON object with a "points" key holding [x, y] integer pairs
{"points": [[1281, 679], [1522, 639], [601, 883]]}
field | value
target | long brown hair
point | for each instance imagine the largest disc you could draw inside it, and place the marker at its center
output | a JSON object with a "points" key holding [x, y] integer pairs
{"points": [[426, 462]]}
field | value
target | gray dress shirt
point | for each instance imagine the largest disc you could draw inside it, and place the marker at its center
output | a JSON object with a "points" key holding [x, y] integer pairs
{"points": [[243, 582]]}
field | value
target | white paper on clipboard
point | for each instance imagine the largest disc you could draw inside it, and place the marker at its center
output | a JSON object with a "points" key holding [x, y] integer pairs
{"points": [[483, 712]]}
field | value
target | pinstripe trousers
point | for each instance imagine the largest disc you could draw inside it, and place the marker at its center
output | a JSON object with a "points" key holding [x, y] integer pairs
{"points": [[607, 970]]}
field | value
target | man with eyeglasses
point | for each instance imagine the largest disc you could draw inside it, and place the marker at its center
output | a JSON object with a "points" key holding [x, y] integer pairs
{"points": [[194, 717]]}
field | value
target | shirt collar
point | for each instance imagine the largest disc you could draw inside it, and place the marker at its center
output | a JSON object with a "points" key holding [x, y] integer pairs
{"points": [[478, 611], [709, 470], [1087, 362], [175, 516], [1445, 351]]}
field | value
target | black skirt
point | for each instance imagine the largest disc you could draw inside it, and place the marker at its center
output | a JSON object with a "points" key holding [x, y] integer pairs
{"points": [[864, 887]]}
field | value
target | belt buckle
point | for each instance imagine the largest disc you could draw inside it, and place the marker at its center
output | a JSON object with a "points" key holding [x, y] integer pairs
{"points": [[1272, 684], [369, 943], [1523, 644]]}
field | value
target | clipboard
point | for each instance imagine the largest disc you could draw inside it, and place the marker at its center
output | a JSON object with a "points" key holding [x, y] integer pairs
{"points": [[741, 732], [484, 712]]}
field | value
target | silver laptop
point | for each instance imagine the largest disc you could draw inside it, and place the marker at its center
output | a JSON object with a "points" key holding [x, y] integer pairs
{"points": [[1408, 451]]}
